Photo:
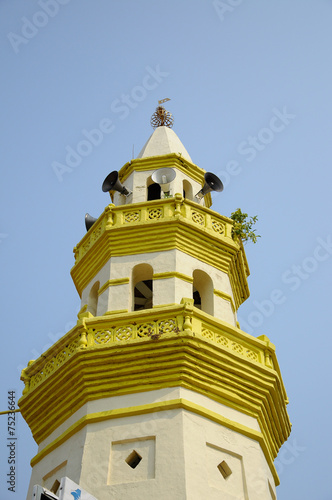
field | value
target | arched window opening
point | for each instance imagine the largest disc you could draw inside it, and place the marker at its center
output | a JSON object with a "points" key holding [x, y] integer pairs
{"points": [[93, 299], [143, 295], [203, 291], [142, 287], [187, 190], [197, 299], [154, 192]]}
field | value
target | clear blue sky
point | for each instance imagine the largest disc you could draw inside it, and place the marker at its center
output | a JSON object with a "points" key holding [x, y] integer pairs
{"points": [[250, 87]]}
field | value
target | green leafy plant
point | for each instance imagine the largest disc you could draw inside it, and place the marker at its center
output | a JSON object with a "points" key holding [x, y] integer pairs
{"points": [[243, 226]]}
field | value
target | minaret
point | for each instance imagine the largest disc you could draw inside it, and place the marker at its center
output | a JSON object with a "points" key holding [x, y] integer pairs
{"points": [[157, 392]]}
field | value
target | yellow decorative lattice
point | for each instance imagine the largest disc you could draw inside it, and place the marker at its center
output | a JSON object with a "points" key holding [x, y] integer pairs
{"points": [[197, 217], [103, 336], [155, 213], [220, 339], [218, 227], [86, 246], [224, 341], [49, 367], [72, 347], [207, 333], [167, 326], [96, 233], [123, 333], [146, 330], [36, 379], [131, 216], [251, 355], [60, 358], [237, 347]]}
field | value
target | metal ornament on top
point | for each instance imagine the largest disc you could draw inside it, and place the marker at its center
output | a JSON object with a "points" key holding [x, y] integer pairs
{"points": [[161, 117]]}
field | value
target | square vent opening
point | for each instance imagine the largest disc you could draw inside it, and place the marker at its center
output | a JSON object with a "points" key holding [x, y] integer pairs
{"points": [[224, 469], [133, 459]]}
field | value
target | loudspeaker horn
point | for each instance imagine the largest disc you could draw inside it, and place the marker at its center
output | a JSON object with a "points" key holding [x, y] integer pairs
{"points": [[89, 221], [163, 177], [112, 183], [212, 183]]}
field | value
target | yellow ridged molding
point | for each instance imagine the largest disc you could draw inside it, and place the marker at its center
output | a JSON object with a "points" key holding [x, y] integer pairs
{"points": [[156, 228], [154, 349], [174, 404], [114, 282], [167, 275]]}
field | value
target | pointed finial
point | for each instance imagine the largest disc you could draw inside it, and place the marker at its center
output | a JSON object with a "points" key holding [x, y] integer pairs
{"points": [[161, 117]]}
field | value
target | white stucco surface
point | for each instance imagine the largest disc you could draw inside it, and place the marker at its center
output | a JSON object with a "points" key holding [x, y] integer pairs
{"points": [[165, 291], [162, 142], [180, 452]]}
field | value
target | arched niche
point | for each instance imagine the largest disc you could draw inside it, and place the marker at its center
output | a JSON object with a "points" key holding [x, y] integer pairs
{"points": [[142, 287], [153, 190], [93, 298], [203, 291], [187, 190]]}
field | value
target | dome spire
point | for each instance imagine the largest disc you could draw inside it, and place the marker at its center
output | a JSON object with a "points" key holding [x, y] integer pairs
{"points": [[161, 117]]}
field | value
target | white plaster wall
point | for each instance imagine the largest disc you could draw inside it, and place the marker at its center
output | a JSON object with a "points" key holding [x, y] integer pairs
{"points": [[223, 310], [170, 291], [164, 478], [165, 291], [102, 276], [213, 444], [180, 453], [114, 298]]}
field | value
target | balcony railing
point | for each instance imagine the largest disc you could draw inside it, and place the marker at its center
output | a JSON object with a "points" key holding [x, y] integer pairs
{"points": [[150, 325], [155, 211]]}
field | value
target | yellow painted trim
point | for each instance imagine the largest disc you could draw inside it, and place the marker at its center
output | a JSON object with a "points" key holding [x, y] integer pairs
{"points": [[118, 311], [164, 306], [179, 403], [167, 275], [225, 296], [114, 282]]}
